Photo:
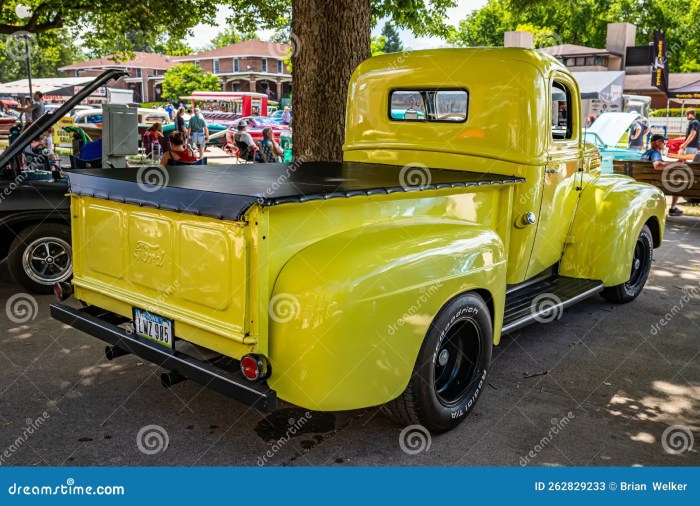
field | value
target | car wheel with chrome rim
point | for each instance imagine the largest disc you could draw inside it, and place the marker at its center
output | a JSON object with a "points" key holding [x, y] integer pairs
{"points": [[41, 256]]}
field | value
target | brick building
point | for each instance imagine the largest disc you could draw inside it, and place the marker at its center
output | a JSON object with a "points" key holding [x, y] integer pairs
{"points": [[145, 70], [251, 65]]}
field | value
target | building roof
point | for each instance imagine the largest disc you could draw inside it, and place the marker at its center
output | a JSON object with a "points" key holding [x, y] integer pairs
{"points": [[140, 60], [642, 82], [573, 50], [600, 85], [46, 85], [245, 48]]}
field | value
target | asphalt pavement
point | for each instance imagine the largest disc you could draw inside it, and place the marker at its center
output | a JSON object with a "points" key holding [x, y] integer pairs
{"points": [[604, 385]]}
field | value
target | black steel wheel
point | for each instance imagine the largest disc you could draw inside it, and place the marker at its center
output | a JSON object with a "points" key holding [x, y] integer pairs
{"points": [[642, 259], [451, 367]]}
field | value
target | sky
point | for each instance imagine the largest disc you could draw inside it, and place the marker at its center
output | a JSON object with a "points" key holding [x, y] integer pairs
{"points": [[204, 33]]}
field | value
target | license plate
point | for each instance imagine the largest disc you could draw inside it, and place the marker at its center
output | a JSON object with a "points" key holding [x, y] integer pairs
{"points": [[154, 327]]}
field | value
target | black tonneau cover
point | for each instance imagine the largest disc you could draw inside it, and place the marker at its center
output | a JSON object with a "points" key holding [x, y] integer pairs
{"points": [[227, 191]]}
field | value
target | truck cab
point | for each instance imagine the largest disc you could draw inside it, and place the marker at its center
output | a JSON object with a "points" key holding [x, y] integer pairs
{"points": [[467, 206]]}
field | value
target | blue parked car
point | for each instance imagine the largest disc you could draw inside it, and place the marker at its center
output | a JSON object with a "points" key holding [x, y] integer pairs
{"points": [[605, 134]]}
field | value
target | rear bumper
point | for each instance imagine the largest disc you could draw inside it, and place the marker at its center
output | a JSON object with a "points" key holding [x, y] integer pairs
{"points": [[221, 374]]}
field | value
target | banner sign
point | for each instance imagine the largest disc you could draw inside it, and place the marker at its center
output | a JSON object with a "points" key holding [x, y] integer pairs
{"points": [[659, 71]]}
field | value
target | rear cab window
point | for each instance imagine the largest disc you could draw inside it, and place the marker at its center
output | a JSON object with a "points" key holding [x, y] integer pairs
{"points": [[434, 106], [562, 112]]}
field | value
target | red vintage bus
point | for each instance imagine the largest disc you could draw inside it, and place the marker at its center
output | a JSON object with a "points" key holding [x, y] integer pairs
{"points": [[225, 106]]}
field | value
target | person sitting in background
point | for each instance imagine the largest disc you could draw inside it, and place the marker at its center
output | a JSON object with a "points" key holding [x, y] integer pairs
{"points": [[152, 136], [155, 132], [653, 155], [47, 146], [178, 151], [270, 151], [244, 142]]}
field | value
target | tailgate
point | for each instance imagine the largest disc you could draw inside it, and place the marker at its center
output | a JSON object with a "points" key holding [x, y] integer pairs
{"points": [[187, 268]]}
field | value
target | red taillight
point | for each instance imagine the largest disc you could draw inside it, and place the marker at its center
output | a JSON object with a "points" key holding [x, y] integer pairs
{"points": [[62, 290], [255, 367]]}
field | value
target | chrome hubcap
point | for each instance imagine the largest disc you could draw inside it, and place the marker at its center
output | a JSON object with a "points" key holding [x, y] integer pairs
{"points": [[48, 260]]}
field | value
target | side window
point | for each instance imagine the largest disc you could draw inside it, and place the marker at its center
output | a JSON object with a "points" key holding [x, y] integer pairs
{"points": [[446, 106], [562, 111]]}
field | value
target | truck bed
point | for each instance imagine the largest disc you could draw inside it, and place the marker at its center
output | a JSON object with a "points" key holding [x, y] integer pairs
{"points": [[227, 191]]}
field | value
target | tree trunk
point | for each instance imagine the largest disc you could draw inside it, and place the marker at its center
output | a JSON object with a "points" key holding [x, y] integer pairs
{"points": [[330, 38]]}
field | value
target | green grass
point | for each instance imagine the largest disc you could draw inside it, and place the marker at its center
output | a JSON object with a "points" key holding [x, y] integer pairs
{"points": [[689, 209]]}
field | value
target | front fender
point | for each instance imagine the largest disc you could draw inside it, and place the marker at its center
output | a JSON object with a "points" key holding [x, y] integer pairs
{"points": [[362, 301], [609, 218]]}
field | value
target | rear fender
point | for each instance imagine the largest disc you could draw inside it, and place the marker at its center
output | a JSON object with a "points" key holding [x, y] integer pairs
{"points": [[349, 313], [610, 215]]}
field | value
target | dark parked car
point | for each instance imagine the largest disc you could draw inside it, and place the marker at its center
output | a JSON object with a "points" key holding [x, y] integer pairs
{"points": [[35, 234]]}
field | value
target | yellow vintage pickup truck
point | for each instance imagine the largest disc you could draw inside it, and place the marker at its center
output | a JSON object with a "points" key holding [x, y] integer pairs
{"points": [[467, 206]]}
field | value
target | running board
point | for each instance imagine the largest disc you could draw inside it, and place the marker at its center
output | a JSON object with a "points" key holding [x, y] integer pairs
{"points": [[545, 300]]}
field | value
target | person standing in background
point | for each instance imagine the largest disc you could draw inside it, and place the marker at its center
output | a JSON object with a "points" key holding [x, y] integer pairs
{"points": [[638, 131], [180, 123], [198, 131], [35, 109], [692, 135], [286, 116]]}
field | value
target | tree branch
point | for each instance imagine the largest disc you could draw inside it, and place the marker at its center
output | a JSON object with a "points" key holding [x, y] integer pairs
{"points": [[33, 27]]}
